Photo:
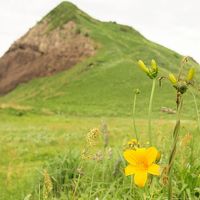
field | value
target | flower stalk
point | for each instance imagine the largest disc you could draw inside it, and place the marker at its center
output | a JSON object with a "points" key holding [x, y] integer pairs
{"points": [[151, 72], [179, 102], [136, 92], [150, 110], [181, 86]]}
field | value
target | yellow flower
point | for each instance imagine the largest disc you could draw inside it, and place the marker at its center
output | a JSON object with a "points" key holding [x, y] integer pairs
{"points": [[141, 162]]}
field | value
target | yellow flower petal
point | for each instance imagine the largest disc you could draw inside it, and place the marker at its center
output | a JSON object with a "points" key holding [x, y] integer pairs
{"points": [[140, 153], [151, 155], [130, 170], [129, 155], [140, 178], [154, 169]]}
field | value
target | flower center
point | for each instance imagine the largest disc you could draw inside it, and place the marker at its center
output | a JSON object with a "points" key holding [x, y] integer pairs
{"points": [[142, 165]]}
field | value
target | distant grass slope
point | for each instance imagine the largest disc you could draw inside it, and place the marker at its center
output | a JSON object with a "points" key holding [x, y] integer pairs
{"points": [[102, 85]]}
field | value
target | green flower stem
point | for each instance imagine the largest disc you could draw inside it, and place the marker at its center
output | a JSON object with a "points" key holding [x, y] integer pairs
{"points": [[134, 123], [196, 107], [174, 146], [150, 110]]}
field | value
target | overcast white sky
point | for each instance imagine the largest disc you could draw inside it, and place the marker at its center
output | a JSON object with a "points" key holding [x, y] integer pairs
{"points": [[172, 23]]}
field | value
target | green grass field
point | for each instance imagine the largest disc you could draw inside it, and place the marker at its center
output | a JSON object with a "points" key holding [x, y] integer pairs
{"points": [[44, 123], [29, 144]]}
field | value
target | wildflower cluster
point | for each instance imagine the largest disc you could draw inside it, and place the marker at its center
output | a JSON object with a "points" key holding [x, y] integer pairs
{"points": [[144, 161]]}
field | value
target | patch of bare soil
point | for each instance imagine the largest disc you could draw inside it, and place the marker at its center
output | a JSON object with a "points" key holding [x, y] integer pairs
{"points": [[41, 53]]}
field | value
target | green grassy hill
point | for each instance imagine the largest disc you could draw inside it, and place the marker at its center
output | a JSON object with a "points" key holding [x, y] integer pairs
{"points": [[102, 85]]}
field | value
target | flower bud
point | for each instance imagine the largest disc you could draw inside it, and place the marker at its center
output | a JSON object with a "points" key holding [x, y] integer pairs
{"points": [[154, 65], [133, 144], [158, 157], [137, 91], [172, 78], [143, 66], [190, 74], [181, 87]]}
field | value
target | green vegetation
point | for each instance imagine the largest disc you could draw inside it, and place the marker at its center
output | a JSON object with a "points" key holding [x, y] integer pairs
{"points": [[30, 144], [62, 14], [44, 123], [102, 85]]}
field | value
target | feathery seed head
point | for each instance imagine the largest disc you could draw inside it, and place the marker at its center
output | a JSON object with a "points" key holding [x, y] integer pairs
{"points": [[92, 136], [48, 186]]}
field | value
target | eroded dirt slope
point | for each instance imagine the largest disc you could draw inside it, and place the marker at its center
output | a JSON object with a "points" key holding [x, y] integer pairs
{"points": [[41, 52]]}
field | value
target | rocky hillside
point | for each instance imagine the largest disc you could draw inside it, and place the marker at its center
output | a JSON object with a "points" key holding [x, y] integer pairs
{"points": [[43, 52]]}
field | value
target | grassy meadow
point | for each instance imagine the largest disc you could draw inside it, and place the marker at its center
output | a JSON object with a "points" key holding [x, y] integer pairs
{"points": [[31, 144], [44, 124]]}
